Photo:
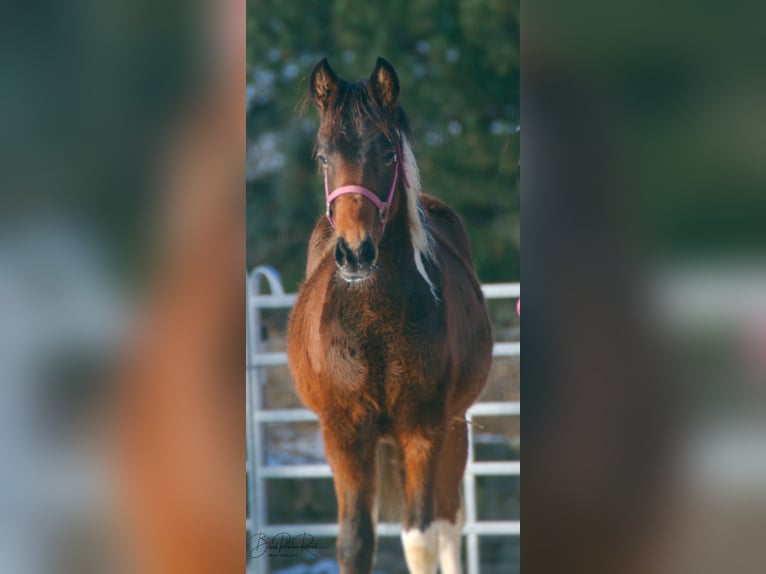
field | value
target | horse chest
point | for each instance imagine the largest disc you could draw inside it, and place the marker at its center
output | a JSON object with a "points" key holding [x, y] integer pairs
{"points": [[375, 354], [359, 357], [369, 348]]}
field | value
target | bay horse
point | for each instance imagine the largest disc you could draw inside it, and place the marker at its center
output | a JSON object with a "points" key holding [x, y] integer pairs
{"points": [[389, 339]]}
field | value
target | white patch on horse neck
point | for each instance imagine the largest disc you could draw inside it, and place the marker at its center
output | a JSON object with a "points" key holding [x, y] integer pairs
{"points": [[450, 539], [421, 549], [422, 242]]}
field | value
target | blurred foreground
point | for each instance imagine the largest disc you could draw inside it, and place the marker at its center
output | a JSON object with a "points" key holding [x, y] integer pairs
{"points": [[644, 371], [122, 287]]}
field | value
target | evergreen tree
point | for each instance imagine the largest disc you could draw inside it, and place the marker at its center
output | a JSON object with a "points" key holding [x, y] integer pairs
{"points": [[458, 64]]}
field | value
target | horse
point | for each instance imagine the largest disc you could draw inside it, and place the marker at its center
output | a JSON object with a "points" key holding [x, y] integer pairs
{"points": [[389, 340]]}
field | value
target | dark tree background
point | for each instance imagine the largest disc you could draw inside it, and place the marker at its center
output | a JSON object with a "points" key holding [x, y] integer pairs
{"points": [[458, 64]]}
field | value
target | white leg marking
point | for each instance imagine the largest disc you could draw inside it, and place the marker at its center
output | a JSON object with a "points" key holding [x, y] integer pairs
{"points": [[421, 549], [450, 539]]}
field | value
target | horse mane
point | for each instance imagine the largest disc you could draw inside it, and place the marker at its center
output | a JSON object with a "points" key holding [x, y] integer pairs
{"points": [[420, 235]]}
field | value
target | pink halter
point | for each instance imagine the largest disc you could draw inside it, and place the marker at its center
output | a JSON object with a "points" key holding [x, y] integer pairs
{"points": [[366, 193]]}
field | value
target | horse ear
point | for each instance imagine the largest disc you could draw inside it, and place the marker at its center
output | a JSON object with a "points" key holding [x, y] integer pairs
{"points": [[323, 84], [384, 83]]}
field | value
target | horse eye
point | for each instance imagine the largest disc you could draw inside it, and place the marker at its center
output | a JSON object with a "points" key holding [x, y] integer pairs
{"points": [[390, 158], [322, 159]]}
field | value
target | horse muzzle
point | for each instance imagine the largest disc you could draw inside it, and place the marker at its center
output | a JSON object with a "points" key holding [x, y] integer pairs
{"points": [[355, 264]]}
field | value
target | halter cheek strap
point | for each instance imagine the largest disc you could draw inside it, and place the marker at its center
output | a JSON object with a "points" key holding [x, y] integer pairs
{"points": [[370, 195]]}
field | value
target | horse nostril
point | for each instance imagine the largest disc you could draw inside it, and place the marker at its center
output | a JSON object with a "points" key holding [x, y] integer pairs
{"points": [[340, 258], [366, 252], [343, 254]]}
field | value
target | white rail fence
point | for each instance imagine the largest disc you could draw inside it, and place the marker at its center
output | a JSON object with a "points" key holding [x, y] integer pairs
{"points": [[258, 417]]}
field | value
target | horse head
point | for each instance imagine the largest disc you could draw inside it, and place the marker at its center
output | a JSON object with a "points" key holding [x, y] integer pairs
{"points": [[359, 150]]}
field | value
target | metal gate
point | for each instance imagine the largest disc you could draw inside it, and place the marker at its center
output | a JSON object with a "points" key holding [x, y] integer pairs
{"points": [[258, 417]]}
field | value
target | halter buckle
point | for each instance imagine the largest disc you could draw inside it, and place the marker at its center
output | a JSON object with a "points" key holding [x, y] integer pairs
{"points": [[383, 212]]}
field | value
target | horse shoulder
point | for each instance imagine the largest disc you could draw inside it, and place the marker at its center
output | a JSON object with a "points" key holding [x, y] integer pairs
{"points": [[319, 245], [447, 229], [305, 350], [469, 329], [454, 252]]}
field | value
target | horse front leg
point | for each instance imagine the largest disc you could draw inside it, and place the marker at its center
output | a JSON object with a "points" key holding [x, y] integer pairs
{"points": [[351, 454], [421, 448], [449, 504]]}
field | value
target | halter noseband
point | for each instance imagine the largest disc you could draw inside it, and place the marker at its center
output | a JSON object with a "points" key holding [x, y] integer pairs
{"points": [[368, 194]]}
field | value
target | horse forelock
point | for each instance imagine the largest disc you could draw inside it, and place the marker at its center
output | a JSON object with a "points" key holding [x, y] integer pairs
{"points": [[355, 118]]}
